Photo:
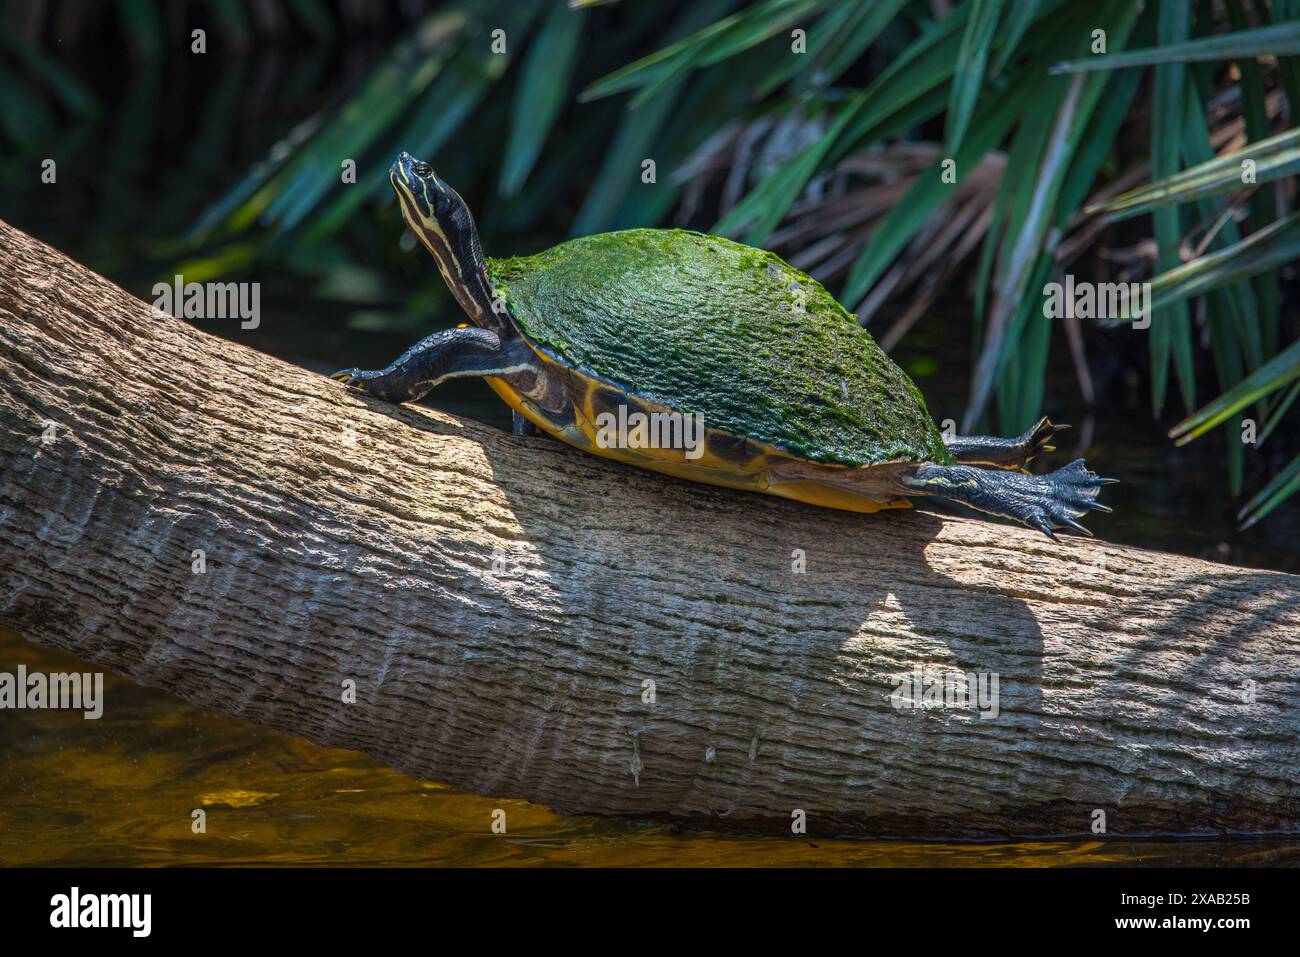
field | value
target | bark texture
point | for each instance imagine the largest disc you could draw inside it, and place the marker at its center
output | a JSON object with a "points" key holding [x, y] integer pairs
{"points": [[502, 603]]}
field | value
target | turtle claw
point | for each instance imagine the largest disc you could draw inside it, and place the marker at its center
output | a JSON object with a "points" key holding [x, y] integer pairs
{"points": [[1068, 494], [1038, 440], [1012, 455], [376, 385], [1077, 527], [354, 379], [1045, 502]]}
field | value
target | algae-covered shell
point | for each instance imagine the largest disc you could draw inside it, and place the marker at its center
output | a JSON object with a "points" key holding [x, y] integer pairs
{"points": [[704, 325]]}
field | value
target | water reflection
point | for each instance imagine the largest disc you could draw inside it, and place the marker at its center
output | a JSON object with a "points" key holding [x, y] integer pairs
{"points": [[124, 795]]}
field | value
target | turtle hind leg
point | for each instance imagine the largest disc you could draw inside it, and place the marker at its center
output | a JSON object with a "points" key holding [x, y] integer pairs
{"points": [[1044, 502], [999, 453], [521, 426], [450, 354]]}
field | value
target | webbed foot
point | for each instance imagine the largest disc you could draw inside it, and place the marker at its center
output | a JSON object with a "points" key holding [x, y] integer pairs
{"points": [[999, 453], [1045, 502], [387, 384]]}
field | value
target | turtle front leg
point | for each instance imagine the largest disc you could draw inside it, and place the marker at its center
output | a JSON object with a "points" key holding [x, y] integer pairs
{"points": [[450, 354], [1043, 502], [999, 453]]}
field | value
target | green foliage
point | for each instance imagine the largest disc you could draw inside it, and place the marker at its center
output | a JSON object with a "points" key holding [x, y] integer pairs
{"points": [[1274, 158], [547, 71], [1175, 49], [976, 44], [1047, 129], [1027, 77]]}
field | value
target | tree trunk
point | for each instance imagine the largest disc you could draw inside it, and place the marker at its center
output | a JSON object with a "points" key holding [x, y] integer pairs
{"points": [[524, 620]]}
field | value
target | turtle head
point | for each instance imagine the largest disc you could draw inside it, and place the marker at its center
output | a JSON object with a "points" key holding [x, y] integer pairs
{"points": [[443, 224], [425, 197]]}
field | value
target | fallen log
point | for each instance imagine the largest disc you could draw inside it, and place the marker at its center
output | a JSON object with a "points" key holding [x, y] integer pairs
{"points": [[523, 620]]}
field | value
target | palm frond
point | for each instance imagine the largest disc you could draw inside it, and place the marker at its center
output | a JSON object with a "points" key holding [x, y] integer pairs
{"points": [[1279, 40]]}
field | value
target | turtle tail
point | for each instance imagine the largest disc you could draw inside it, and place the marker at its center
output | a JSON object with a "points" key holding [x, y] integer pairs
{"points": [[1045, 502]]}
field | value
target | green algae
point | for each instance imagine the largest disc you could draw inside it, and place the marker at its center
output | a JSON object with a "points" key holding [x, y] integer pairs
{"points": [[706, 325]]}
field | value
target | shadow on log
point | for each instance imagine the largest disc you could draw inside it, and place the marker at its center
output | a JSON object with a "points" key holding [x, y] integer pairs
{"points": [[524, 620]]}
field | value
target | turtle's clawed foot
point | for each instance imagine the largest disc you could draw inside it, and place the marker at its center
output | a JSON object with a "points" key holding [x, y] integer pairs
{"points": [[1010, 454], [379, 384], [1045, 502], [1067, 494], [1038, 439]]}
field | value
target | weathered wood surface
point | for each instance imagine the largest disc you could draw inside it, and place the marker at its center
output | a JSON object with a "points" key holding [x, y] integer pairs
{"points": [[348, 539]]}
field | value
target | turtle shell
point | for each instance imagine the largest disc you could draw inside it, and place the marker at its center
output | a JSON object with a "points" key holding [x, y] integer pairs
{"points": [[702, 324]]}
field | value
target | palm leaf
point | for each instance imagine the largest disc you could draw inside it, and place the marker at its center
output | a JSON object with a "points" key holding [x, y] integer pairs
{"points": [[638, 131], [1170, 324], [839, 49], [924, 66], [1278, 40], [1026, 349], [820, 38], [547, 70], [61, 81], [1285, 484], [1019, 266], [1279, 412], [968, 77], [1275, 374], [1018, 20], [713, 44], [1269, 248], [1229, 309], [1274, 158], [452, 98]]}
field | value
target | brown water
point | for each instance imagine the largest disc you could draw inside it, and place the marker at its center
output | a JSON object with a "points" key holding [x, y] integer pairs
{"points": [[120, 790]]}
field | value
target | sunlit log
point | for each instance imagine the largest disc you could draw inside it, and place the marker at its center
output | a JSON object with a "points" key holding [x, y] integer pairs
{"points": [[523, 620]]}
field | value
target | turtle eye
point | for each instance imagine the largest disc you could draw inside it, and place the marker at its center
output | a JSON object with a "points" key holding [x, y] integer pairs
{"points": [[422, 168]]}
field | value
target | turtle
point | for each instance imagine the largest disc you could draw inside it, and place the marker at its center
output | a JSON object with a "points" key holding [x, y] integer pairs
{"points": [[706, 359]]}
